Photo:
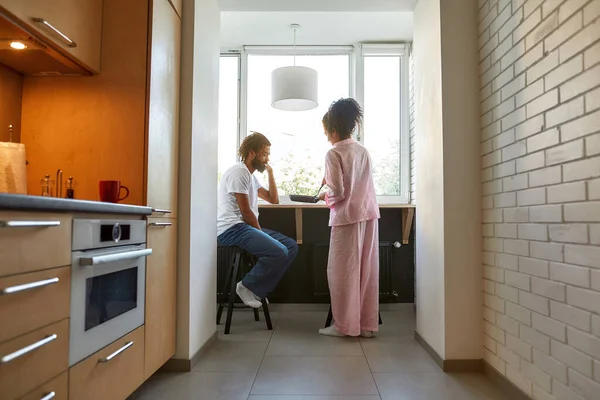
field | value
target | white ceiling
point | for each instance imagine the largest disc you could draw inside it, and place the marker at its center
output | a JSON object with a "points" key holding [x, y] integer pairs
{"points": [[317, 28], [317, 5]]}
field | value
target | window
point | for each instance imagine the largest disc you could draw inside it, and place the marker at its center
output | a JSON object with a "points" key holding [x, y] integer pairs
{"points": [[384, 97], [298, 143], [377, 76], [229, 71]]}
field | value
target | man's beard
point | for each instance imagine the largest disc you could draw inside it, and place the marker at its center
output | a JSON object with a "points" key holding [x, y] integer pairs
{"points": [[259, 166]]}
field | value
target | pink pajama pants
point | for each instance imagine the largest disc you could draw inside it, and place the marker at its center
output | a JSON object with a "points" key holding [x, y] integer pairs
{"points": [[353, 274]]}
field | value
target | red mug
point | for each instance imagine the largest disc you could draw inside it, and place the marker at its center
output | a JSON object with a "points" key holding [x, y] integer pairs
{"points": [[110, 191]]}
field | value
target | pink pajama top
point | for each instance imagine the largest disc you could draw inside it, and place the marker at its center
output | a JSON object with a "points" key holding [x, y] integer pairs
{"points": [[351, 195]]}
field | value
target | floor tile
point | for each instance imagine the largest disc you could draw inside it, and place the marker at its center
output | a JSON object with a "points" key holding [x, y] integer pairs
{"points": [[232, 357], [301, 397], [477, 386], [397, 326], [197, 386], [297, 334], [437, 387], [314, 375], [245, 329], [405, 356]]}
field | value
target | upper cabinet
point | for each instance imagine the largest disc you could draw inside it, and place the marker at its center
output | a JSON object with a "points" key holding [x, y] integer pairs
{"points": [[62, 36], [163, 113]]}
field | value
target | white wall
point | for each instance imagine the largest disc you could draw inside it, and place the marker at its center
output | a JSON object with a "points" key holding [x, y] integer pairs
{"points": [[430, 175], [198, 174], [448, 243], [462, 187], [540, 140]]}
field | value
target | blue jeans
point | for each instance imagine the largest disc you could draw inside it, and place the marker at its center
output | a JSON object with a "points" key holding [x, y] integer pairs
{"points": [[275, 253]]}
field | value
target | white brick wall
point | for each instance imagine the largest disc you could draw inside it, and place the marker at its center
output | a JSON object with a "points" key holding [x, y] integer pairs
{"points": [[540, 116]]}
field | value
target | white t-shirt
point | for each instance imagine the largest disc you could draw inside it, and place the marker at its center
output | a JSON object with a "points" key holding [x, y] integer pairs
{"points": [[236, 179]]}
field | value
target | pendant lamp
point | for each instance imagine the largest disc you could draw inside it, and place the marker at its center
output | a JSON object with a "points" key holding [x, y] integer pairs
{"points": [[294, 88]]}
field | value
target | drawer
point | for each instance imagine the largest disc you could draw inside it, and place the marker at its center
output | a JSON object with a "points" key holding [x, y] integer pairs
{"points": [[38, 365], [31, 308], [99, 378], [36, 247], [59, 386]]}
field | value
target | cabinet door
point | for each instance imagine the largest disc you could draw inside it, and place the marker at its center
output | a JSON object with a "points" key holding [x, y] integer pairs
{"points": [[80, 21], [163, 119], [101, 377], [161, 296]]}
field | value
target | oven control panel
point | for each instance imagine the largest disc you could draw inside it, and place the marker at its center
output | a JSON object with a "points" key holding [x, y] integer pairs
{"points": [[98, 233]]}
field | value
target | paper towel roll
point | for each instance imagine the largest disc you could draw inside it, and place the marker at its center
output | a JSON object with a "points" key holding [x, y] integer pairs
{"points": [[13, 171]]}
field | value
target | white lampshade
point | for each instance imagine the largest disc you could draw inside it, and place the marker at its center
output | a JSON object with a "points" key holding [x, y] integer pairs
{"points": [[294, 89]]}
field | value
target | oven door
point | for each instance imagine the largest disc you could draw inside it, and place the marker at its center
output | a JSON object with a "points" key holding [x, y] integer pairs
{"points": [[107, 297]]}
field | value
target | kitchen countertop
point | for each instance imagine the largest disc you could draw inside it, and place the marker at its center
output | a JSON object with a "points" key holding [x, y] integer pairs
{"points": [[38, 203], [291, 204]]}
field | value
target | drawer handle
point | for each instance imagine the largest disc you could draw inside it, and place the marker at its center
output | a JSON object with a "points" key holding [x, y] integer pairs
{"points": [[161, 224], [28, 286], [9, 357], [28, 224], [161, 211], [110, 258], [49, 396], [116, 353], [70, 43]]}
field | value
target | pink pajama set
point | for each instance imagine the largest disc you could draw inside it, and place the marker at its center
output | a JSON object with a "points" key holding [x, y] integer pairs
{"points": [[353, 267]]}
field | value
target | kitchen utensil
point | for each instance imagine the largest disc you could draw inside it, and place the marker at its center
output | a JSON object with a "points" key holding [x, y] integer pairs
{"points": [[306, 199], [110, 191]]}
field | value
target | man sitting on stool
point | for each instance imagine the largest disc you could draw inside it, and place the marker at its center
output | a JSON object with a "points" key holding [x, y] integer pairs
{"points": [[237, 221]]}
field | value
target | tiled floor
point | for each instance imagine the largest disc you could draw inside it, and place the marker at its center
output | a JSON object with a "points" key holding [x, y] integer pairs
{"points": [[293, 362]]}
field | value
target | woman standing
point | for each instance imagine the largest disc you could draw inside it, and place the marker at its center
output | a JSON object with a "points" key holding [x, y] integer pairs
{"points": [[353, 267]]}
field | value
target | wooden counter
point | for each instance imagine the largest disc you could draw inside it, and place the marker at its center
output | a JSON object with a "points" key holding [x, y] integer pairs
{"points": [[408, 213]]}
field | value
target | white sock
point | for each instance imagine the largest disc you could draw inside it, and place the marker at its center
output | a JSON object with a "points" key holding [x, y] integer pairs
{"points": [[259, 299], [247, 296], [367, 334], [330, 331]]}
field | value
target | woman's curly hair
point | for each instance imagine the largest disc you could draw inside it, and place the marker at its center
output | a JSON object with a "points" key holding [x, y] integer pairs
{"points": [[343, 117], [253, 142]]}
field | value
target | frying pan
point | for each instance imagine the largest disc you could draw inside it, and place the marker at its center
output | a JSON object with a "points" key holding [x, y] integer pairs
{"points": [[306, 199]]}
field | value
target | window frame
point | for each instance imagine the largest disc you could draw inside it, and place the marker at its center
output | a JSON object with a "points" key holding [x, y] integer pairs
{"points": [[357, 54]]}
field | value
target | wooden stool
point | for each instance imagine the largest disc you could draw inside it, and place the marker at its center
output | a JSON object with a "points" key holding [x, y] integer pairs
{"points": [[242, 263], [330, 318]]}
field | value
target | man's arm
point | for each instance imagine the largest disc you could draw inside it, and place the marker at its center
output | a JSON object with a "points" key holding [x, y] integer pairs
{"points": [[271, 195], [247, 214]]}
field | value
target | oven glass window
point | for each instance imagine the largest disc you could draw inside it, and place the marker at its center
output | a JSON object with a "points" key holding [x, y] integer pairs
{"points": [[110, 295]]}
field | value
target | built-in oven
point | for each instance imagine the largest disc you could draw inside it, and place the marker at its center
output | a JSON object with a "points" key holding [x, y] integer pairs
{"points": [[108, 278]]}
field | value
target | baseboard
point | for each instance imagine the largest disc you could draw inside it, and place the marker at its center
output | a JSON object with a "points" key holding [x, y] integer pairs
{"points": [[184, 365], [449, 365], [513, 392]]}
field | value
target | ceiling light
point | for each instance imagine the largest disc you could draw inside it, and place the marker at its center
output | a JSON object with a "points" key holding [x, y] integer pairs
{"points": [[18, 45], [294, 88]]}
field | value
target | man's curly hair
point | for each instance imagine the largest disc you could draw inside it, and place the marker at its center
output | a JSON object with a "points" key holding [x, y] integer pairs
{"points": [[253, 142]]}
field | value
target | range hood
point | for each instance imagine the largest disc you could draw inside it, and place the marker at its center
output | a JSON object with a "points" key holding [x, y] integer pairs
{"points": [[38, 58]]}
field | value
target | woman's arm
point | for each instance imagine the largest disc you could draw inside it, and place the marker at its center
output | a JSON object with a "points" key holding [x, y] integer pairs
{"points": [[335, 179]]}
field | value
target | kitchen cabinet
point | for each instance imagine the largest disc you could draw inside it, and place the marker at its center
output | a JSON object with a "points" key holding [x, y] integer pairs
{"points": [[47, 358], [58, 385], [44, 243], [161, 296], [26, 310], [74, 27], [112, 373], [163, 113]]}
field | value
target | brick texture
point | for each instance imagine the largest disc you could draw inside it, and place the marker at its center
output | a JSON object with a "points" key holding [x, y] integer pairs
{"points": [[540, 149]]}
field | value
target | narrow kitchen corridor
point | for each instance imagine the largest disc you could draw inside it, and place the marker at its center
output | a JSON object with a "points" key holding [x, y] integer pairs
{"points": [[293, 362]]}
